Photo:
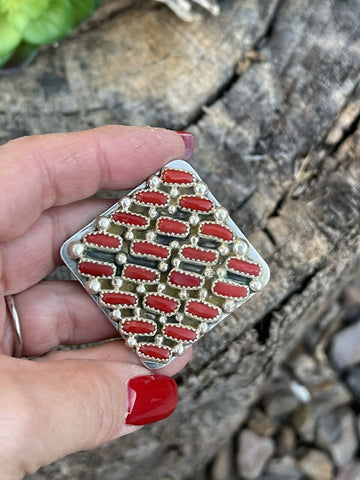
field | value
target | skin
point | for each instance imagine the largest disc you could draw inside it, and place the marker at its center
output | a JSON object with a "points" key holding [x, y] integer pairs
{"points": [[63, 401]]}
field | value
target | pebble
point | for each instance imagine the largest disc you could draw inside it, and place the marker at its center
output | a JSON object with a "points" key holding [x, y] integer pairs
{"points": [[353, 382], [222, 467], [349, 472], [316, 465], [336, 433], [261, 424], [284, 467], [345, 347], [286, 440], [254, 452]]}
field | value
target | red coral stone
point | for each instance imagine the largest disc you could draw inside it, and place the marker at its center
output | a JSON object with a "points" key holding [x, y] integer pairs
{"points": [[138, 273], [216, 230], [130, 219], [175, 227], [196, 203], [162, 303], [180, 333], [96, 269], [119, 298], [176, 176], [202, 310], [230, 290], [153, 198], [146, 248], [182, 279], [138, 327], [193, 253], [103, 240], [244, 267], [155, 352]]}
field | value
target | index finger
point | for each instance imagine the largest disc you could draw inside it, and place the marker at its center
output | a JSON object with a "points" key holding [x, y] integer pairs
{"points": [[39, 172]]}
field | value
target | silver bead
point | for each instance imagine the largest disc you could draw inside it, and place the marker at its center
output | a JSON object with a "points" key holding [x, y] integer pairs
{"points": [[116, 314], [224, 249], [117, 282], [125, 202], [172, 209], [200, 188], [174, 244], [93, 286], [176, 262], [162, 319], [229, 306], [159, 340], [121, 258], [137, 311], [102, 222], [129, 235], [183, 295], [179, 349], [153, 212], [194, 240], [179, 317], [221, 272], [161, 287], [163, 266], [203, 293], [194, 219], [76, 249], [256, 285], [241, 246], [131, 341], [174, 192], [209, 272], [141, 289], [204, 327], [221, 214], [150, 236], [154, 181]]}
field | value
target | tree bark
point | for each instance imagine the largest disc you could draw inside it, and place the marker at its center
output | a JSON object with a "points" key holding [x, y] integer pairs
{"points": [[271, 90]]}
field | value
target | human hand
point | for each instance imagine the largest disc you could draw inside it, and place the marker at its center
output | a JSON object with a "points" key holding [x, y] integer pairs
{"points": [[65, 401]]}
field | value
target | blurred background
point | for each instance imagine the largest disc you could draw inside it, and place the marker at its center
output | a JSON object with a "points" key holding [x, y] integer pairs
{"points": [[271, 90]]}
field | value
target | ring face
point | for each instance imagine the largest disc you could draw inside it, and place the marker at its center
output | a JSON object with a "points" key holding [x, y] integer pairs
{"points": [[165, 264]]}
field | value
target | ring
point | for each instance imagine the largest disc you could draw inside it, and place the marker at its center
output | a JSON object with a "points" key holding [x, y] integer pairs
{"points": [[166, 264], [15, 325]]}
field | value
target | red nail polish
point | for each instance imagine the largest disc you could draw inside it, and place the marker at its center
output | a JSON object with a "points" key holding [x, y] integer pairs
{"points": [[189, 140], [150, 399]]}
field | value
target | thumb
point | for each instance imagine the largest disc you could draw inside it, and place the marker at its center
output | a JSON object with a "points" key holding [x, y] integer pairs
{"points": [[56, 408]]}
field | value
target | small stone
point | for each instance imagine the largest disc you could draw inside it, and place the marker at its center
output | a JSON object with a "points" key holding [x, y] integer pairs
{"points": [[260, 423], [349, 472], [254, 452], [345, 347], [222, 467], [284, 468], [316, 465], [353, 382], [286, 440], [280, 403], [336, 433]]}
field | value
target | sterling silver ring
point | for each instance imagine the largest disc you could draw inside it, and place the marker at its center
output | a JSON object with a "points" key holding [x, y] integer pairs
{"points": [[15, 325]]}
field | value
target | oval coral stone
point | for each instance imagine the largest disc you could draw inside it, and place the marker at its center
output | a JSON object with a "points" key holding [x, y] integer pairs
{"points": [[182, 279], [196, 203], [96, 269], [138, 326], [176, 176], [230, 290], [162, 303], [138, 273], [119, 298], [130, 219], [103, 240], [244, 267], [193, 253], [152, 198], [146, 248], [180, 333], [218, 231], [202, 310], [155, 352], [169, 226]]}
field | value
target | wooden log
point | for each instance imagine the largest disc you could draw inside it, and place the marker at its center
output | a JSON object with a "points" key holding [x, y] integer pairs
{"points": [[271, 90]]}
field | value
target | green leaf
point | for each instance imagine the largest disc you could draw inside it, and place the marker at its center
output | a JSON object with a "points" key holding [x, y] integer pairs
{"points": [[20, 13], [9, 36], [53, 24], [82, 9]]}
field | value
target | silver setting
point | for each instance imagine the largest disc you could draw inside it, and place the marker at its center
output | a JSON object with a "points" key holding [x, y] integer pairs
{"points": [[102, 222], [93, 286], [125, 202], [76, 249], [121, 258]]}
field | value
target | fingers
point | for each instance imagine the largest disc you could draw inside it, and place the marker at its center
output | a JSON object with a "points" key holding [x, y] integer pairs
{"points": [[55, 313], [37, 252], [46, 170], [51, 409]]}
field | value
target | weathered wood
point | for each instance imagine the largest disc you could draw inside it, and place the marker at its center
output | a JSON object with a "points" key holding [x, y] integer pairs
{"points": [[279, 144]]}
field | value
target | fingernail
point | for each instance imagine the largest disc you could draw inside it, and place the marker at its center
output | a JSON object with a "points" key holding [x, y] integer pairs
{"points": [[150, 399], [189, 140]]}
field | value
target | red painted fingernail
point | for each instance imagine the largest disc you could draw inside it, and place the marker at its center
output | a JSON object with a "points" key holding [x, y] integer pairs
{"points": [[189, 140], [150, 399]]}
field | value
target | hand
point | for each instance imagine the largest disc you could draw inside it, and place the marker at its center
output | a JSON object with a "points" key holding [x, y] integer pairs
{"points": [[65, 401]]}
